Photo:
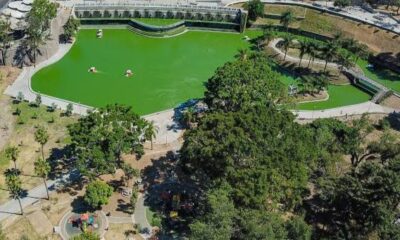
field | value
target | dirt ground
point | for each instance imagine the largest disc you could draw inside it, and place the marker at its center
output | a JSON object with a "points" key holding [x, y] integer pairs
{"points": [[7, 76], [122, 231], [392, 101]]}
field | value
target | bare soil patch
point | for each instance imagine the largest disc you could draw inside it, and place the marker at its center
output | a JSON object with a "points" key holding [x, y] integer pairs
{"points": [[121, 232], [392, 101]]}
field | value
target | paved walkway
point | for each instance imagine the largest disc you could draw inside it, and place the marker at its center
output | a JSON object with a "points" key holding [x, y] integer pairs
{"points": [[140, 216], [290, 58], [357, 109], [34, 195]]}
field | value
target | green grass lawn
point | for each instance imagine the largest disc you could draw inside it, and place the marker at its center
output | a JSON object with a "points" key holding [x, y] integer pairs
{"points": [[158, 21], [338, 96], [386, 77], [167, 71]]}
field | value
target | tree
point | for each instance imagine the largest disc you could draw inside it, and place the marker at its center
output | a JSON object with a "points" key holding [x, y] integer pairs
{"points": [[287, 18], [38, 100], [298, 229], [232, 146], [71, 27], [99, 139], [5, 38], [87, 236], [14, 185], [150, 133], [12, 154], [218, 222], [304, 45], [38, 20], [129, 171], [42, 169], [41, 136], [312, 50], [286, 44], [97, 194], [255, 9], [53, 107], [360, 202], [342, 3], [20, 97], [353, 140], [329, 52], [268, 36], [70, 108], [344, 59], [242, 54], [244, 84]]}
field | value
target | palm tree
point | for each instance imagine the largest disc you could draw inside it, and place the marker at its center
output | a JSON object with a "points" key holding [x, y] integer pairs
{"points": [[268, 36], [286, 43], [150, 133], [304, 45], [329, 52], [5, 38], [12, 154], [312, 50], [42, 169], [344, 58], [287, 18], [361, 51], [242, 54], [14, 186], [41, 136]]}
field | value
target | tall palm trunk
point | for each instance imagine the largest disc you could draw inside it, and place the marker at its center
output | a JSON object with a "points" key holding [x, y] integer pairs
{"points": [[326, 64], [301, 58], [15, 163], [309, 62], [151, 142], [47, 189], [20, 206], [3, 56], [285, 54]]}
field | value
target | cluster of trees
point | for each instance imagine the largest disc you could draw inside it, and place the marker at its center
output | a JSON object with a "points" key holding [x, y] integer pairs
{"points": [[38, 19], [98, 142], [247, 176], [41, 167], [255, 164], [345, 51], [71, 28]]}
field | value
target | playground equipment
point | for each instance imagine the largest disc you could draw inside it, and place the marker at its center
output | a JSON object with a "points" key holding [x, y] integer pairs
{"points": [[85, 221]]}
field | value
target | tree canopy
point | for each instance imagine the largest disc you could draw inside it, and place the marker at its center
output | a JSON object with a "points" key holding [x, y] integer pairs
{"points": [[97, 194], [242, 85], [255, 9], [99, 139]]}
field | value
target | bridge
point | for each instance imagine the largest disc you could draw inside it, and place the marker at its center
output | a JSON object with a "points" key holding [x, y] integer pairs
{"points": [[371, 86]]}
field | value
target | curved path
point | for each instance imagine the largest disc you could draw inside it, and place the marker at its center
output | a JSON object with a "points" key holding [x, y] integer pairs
{"points": [[290, 58]]}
